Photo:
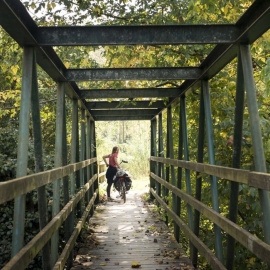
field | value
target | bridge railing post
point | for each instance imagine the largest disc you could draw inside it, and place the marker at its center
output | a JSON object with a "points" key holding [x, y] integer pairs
{"points": [[257, 143], [200, 153], [179, 170], [153, 152], [170, 154], [94, 154], [88, 155], [160, 153], [60, 123], [23, 141], [211, 154], [82, 155], [184, 136], [237, 143], [39, 163]]}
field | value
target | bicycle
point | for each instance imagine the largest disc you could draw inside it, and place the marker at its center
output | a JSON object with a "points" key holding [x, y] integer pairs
{"points": [[122, 182]]}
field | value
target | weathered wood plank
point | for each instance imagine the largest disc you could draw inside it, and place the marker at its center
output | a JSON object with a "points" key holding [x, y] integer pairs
{"points": [[249, 241], [253, 179], [203, 249], [123, 233], [28, 252], [60, 264], [22, 185]]}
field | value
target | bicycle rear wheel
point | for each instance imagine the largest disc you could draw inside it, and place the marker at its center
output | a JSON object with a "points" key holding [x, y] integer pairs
{"points": [[123, 195]]}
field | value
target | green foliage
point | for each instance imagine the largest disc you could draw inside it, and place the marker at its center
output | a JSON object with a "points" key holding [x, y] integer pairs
{"points": [[132, 138]]}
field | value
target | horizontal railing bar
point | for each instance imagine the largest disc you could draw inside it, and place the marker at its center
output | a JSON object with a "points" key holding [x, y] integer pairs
{"points": [[22, 185], [203, 249], [101, 174], [251, 178], [60, 264], [249, 241], [28, 252]]}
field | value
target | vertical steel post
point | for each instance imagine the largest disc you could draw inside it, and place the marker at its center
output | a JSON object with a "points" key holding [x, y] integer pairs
{"points": [[74, 150], [88, 154], [171, 156], [179, 170], [69, 221], [186, 154], [95, 168], [211, 154], [22, 157], [160, 153], [82, 157], [74, 143], [91, 144], [58, 163], [167, 177], [201, 135], [257, 143], [64, 156], [153, 152], [78, 184], [39, 165], [237, 141], [82, 153]]}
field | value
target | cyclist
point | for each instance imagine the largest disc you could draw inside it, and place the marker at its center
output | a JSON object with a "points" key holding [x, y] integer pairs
{"points": [[112, 169]]}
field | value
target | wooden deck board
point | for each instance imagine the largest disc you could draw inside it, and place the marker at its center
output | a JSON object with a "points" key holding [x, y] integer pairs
{"points": [[120, 234]]}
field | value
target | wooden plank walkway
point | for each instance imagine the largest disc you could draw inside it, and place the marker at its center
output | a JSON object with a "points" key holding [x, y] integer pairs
{"points": [[120, 234]]}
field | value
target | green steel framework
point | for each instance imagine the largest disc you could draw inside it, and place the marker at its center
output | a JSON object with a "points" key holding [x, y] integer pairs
{"points": [[231, 41]]}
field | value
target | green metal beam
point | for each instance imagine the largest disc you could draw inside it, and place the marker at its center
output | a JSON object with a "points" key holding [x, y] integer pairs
{"points": [[184, 135], [125, 104], [129, 93], [123, 118], [59, 134], [257, 143], [236, 157], [119, 74], [22, 151], [211, 156], [198, 193], [39, 163], [129, 112], [136, 35], [153, 152]]}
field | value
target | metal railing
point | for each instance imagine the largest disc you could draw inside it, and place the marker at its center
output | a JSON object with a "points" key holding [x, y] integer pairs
{"points": [[11, 189], [253, 179]]}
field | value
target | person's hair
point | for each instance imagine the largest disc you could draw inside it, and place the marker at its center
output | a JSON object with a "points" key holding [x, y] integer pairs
{"points": [[115, 149]]}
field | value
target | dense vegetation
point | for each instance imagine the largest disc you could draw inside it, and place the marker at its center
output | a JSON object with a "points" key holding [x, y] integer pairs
{"points": [[133, 137]]}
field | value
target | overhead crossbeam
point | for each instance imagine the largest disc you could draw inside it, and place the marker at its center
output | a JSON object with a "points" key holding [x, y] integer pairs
{"points": [[125, 112], [136, 35], [125, 104], [119, 74], [123, 118], [130, 93]]}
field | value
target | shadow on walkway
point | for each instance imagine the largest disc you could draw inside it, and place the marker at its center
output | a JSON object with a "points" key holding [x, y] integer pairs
{"points": [[130, 235]]}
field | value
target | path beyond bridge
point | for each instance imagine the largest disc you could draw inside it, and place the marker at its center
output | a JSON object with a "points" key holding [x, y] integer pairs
{"points": [[121, 234]]}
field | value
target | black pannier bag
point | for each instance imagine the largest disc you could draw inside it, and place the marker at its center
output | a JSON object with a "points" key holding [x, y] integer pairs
{"points": [[127, 180]]}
